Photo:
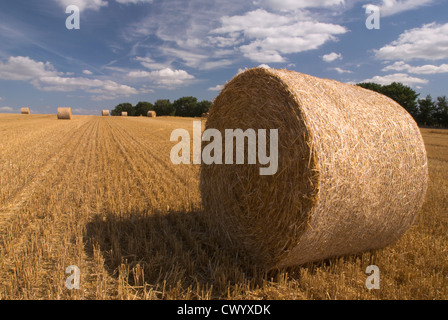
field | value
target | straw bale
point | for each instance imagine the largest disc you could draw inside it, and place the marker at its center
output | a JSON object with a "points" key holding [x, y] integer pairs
{"points": [[352, 172], [105, 113], [25, 111], [64, 113], [152, 114]]}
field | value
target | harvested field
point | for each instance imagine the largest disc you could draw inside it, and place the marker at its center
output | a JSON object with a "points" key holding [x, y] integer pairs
{"points": [[108, 199]]}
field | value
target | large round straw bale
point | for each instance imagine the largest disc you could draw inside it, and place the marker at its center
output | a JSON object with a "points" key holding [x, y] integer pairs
{"points": [[124, 114], [105, 113], [25, 111], [152, 114], [352, 172], [65, 113]]}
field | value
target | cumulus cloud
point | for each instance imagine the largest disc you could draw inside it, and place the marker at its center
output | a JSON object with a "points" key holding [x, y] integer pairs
{"points": [[83, 4], [24, 68], [272, 35], [6, 109], [44, 77], [89, 85], [430, 42], [87, 72], [332, 57], [391, 7], [219, 34], [397, 77], [425, 69], [166, 77], [95, 4], [219, 87], [287, 5]]}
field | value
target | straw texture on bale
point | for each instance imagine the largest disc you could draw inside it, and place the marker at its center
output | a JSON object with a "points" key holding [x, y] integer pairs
{"points": [[105, 113], [152, 114], [124, 114], [25, 111], [352, 172], [65, 113]]}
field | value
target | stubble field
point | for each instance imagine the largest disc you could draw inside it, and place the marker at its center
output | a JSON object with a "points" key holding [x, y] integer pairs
{"points": [[102, 194]]}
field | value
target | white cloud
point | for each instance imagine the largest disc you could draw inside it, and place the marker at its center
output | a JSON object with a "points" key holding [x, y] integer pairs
{"points": [[87, 72], [397, 77], [271, 35], [287, 5], [332, 57], [24, 68], [209, 65], [219, 87], [425, 69], [89, 85], [430, 42], [197, 60], [6, 109], [265, 66], [83, 4], [190, 58], [342, 71], [165, 77], [44, 77], [134, 1], [95, 4], [150, 64], [391, 7]]}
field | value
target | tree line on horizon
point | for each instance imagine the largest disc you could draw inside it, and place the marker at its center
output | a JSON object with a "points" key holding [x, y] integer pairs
{"points": [[183, 107], [427, 112]]}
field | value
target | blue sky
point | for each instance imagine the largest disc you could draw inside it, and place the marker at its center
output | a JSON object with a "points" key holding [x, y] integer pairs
{"points": [[144, 50]]}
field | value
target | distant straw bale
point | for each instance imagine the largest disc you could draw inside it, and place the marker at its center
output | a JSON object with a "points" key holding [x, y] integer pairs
{"points": [[64, 113], [25, 111]]}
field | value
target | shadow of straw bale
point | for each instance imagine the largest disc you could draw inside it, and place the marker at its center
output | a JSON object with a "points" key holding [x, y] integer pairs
{"points": [[183, 253], [170, 249]]}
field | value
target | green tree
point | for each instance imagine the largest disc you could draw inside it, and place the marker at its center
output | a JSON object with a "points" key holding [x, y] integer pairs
{"points": [[403, 95], [371, 86], [186, 106], [142, 108], [203, 107], [426, 112], [441, 111], [126, 107], [164, 107]]}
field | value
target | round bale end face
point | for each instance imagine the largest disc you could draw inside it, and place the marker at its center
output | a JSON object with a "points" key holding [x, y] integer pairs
{"points": [[124, 114], [352, 169], [105, 113]]}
